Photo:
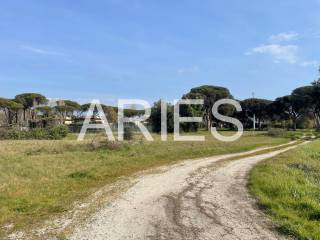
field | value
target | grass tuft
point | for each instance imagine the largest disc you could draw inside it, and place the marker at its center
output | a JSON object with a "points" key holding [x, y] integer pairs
{"points": [[39, 179], [288, 188]]}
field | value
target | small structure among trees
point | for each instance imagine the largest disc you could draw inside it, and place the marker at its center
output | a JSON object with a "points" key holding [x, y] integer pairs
{"points": [[299, 109]]}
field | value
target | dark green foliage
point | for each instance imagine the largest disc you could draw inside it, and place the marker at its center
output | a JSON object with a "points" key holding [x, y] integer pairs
{"points": [[133, 112], [210, 94], [258, 107], [28, 100], [45, 110], [58, 132], [10, 109], [188, 111], [67, 107], [54, 133], [305, 122], [155, 118]]}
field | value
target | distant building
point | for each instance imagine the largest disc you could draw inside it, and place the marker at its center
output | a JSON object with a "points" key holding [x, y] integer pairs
{"points": [[68, 121]]}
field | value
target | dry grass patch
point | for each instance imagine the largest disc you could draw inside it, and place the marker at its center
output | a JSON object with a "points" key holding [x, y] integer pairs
{"points": [[39, 179]]}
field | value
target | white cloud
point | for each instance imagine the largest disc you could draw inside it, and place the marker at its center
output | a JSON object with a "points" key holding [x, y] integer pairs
{"points": [[41, 51], [310, 64], [283, 37], [188, 70], [279, 53]]}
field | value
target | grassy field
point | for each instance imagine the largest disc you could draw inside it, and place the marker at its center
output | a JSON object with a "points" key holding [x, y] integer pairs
{"points": [[288, 188], [43, 178]]}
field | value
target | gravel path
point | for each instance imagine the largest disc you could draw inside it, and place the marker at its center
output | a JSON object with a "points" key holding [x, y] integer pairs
{"points": [[200, 199]]}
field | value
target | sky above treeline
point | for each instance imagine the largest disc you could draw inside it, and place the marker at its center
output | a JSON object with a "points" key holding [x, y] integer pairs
{"points": [[150, 49]]}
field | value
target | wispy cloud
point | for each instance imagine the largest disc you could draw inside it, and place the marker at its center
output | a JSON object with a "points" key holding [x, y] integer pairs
{"points": [[310, 64], [41, 51], [283, 37], [279, 53], [188, 70]]}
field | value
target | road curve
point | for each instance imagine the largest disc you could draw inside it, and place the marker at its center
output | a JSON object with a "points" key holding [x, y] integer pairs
{"points": [[200, 199]]}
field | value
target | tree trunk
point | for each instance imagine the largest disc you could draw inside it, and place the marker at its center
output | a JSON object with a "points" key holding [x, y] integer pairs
{"points": [[294, 124], [10, 117], [317, 120], [6, 115], [207, 121]]}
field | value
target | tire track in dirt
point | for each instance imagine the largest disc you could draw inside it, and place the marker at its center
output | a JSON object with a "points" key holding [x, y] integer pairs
{"points": [[200, 199]]}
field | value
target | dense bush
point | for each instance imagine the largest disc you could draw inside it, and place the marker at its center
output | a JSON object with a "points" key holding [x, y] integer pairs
{"points": [[279, 132], [54, 133], [58, 132]]}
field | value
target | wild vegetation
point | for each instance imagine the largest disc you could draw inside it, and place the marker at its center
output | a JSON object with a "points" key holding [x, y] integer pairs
{"points": [[288, 189], [300, 109], [43, 178], [50, 133]]}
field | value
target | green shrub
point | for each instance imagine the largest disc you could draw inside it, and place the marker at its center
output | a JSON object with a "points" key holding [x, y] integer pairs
{"points": [[37, 133], [16, 134], [277, 132], [54, 133], [58, 132]]}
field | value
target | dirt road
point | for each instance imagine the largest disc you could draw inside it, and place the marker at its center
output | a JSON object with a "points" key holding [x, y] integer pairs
{"points": [[198, 199]]}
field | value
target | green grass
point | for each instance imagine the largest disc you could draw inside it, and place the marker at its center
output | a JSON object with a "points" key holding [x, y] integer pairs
{"points": [[288, 189], [39, 179]]}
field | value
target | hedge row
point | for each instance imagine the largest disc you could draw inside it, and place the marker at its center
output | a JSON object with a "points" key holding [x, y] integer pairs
{"points": [[53, 133]]}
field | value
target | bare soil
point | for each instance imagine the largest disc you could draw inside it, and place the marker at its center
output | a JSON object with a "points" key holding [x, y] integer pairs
{"points": [[197, 199]]}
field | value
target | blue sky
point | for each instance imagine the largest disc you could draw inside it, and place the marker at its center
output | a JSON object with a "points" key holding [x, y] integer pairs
{"points": [[151, 49]]}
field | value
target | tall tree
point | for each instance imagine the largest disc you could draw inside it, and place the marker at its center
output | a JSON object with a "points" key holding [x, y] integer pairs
{"points": [[14, 109], [210, 94], [45, 110], [155, 118], [4, 106], [29, 100], [10, 109], [66, 108], [110, 113], [290, 107], [315, 95], [257, 107]]}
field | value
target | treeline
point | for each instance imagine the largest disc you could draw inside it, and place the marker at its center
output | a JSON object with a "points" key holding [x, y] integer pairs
{"points": [[300, 109], [32, 110]]}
